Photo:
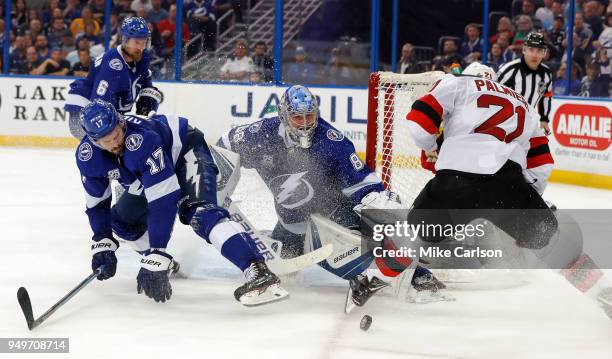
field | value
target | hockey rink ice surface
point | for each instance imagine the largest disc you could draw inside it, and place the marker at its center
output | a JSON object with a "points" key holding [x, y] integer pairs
{"points": [[44, 241]]}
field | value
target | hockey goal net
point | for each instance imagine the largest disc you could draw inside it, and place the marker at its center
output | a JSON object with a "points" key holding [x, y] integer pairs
{"points": [[391, 152]]}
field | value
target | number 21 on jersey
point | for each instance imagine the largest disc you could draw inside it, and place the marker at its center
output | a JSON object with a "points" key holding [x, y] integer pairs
{"points": [[507, 111]]}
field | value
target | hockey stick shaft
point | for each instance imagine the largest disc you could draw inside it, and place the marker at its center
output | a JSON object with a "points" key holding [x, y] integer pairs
{"points": [[28, 306]]}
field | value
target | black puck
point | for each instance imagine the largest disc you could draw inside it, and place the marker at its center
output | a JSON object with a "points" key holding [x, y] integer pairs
{"points": [[365, 323]]}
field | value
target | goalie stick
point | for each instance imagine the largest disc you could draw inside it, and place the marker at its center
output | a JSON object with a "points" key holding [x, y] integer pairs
{"points": [[26, 305]]}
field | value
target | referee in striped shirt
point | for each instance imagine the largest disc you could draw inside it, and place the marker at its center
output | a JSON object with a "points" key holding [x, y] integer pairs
{"points": [[530, 77]]}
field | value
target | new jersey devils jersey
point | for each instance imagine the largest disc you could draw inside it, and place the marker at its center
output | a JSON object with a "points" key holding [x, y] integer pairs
{"points": [[485, 124]]}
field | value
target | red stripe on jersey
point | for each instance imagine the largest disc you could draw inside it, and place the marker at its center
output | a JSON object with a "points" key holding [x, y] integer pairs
{"points": [[540, 160], [426, 122], [430, 100], [538, 141]]}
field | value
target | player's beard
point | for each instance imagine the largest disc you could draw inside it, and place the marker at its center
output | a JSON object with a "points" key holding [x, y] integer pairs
{"points": [[118, 151]]}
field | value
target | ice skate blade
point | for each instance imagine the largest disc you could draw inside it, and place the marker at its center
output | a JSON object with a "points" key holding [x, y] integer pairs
{"points": [[271, 294]]}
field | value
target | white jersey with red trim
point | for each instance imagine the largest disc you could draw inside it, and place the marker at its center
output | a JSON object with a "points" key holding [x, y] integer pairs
{"points": [[485, 125]]}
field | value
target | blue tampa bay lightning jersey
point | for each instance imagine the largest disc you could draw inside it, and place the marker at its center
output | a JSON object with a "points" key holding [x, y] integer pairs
{"points": [[113, 80], [152, 148], [320, 179]]}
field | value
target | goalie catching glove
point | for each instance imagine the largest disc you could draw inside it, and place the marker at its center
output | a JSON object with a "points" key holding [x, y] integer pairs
{"points": [[148, 101]]}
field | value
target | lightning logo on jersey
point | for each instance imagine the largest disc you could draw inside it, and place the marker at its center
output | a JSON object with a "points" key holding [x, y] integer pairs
{"points": [[192, 170], [290, 186]]}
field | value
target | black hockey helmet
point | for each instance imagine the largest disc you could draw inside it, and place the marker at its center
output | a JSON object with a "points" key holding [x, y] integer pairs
{"points": [[535, 39]]}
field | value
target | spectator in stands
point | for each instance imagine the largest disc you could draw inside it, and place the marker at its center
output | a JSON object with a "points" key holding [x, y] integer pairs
{"points": [[557, 8], [594, 84], [142, 12], [68, 43], [32, 61], [201, 20], [90, 34], [113, 23], [35, 28], [337, 69], [504, 41], [583, 32], [407, 63], [157, 13], [54, 65], [47, 12], [2, 28], [578, 51], [601, 56], [72, 10], [42, 47], [256, 77], [20, 18], [504, 25], [496, 59], [545, 15], [556, 36], [524, 27], [97, 8], [449, 47], [56, 32], [559, 85], [137, 4], [17, 58], [124, 6], [167, 29], [263, 63], [300, 71], [81, 68], [604, 44], [528, 9], [82, 44], [471, 47], [239, 67], [78, 25], [593, 11]]}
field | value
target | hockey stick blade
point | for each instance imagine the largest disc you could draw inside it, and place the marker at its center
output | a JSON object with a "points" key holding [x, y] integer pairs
{"points": [[26, 306]]}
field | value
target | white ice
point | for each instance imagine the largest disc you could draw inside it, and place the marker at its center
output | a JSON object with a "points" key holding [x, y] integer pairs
{"points": [[44, 241]]}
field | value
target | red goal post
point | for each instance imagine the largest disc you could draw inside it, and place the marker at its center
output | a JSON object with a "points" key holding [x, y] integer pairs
{"points": [[390, 151]]}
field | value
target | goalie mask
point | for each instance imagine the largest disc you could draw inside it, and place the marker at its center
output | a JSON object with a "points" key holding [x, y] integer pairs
{"points": [[300, 114]]}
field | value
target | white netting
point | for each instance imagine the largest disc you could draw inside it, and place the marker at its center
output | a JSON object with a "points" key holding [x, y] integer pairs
{"points": [[398, 160], [398, 163]]}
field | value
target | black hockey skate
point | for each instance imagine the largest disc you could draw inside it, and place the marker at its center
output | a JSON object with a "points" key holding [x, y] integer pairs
{"points": [[261, 287], [427, 289], [361, 289], [427, 282]]}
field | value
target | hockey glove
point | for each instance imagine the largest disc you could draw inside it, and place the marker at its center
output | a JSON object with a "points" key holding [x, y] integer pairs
{"points": [[379, 200], [103, 254], [148, 101], [153, 276]]}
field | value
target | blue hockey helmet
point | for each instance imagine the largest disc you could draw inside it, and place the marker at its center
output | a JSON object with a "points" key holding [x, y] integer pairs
{"points": [[299, 112], [99, 118], [134, 28]]}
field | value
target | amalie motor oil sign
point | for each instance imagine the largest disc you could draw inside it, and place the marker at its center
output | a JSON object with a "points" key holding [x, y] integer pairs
{"points": [[583, 126]]}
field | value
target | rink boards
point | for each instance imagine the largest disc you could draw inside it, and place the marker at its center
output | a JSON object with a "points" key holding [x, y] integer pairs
{"points": [[31, 114]]}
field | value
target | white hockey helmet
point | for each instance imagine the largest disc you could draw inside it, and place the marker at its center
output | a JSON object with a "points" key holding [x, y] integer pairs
{"points": [[480, 70]]}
